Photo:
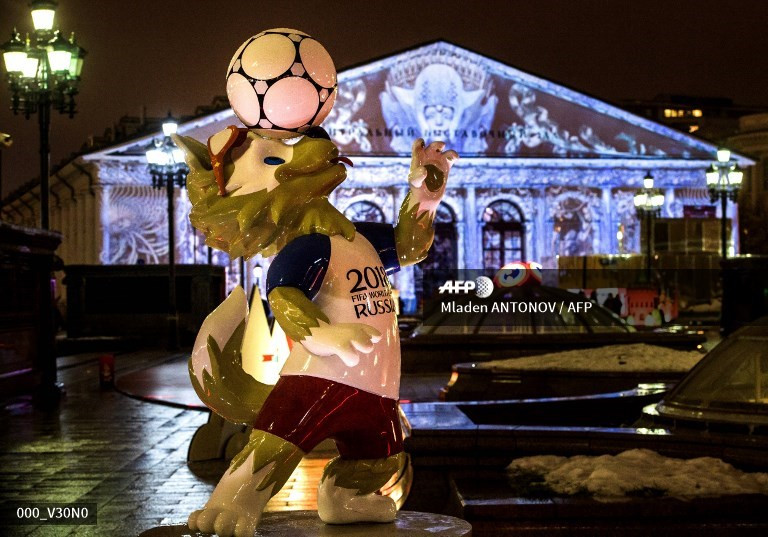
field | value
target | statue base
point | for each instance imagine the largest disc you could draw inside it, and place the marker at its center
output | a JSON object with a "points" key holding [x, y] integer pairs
{"points": [[307, 524]]}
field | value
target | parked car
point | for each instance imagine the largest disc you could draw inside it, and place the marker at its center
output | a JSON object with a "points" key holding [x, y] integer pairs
{"points": [[727, 390]]}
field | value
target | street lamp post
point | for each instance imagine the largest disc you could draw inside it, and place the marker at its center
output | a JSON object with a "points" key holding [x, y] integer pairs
{"points": [[648, 201], [44, 73], [724, 182], [168, 170]]}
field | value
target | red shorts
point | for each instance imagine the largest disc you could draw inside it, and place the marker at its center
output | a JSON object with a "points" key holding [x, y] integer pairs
{"points": [[306, 410]]}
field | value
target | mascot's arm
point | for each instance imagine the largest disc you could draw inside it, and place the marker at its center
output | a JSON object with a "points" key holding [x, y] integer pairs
{"points": [[304, 322], [296, 313], [427, 178]]}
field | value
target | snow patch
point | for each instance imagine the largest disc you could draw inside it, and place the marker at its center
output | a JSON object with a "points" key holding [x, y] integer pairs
{"points": [[639, 470], [613, 358]]}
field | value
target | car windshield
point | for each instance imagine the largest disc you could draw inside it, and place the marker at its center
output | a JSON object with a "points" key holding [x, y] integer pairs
{"points": [[734, 375]]}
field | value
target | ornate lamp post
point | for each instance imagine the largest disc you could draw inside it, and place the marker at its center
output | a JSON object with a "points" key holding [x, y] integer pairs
{"points": [[723, 182], [648, 201], [43, 73], [168, 170]]}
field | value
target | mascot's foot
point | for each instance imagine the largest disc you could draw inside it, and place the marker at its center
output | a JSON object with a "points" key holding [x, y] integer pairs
{"points": [[337, 505], [222, 522], [235, 507]]}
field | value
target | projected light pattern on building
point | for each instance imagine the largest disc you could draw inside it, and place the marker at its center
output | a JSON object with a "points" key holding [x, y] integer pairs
{"points": [[558, 168]]}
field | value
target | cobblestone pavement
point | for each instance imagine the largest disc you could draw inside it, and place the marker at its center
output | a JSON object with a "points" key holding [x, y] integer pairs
{"points": [[127, 456]]}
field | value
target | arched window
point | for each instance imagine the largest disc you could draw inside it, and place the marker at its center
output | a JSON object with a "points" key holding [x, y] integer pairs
{"points": [[503, 234], [443, 255], [364, 211]]}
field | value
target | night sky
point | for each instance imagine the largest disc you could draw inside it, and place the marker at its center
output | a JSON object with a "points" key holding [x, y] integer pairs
{"points": [[172, 54]]}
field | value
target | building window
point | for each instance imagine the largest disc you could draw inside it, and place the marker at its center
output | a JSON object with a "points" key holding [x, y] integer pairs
{"points": [[442, 262], [503, 234], [364, 211], [443, 255]]}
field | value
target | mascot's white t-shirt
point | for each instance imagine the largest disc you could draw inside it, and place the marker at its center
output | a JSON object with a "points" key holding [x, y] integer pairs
{"points": [[348, 281]]}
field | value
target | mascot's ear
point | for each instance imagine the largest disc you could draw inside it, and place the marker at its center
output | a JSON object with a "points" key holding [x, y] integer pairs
{"points": [[195, 153], [219, 146]]}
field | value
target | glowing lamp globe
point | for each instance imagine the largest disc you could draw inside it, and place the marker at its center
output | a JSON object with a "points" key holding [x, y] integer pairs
{"points": [[281, 82]]}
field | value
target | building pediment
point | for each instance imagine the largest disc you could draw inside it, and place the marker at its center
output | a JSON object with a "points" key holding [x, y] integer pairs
{"points": [[480, 107]]}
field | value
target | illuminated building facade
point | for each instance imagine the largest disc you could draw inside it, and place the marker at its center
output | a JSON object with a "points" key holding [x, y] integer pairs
{"points": [[545, 171]]}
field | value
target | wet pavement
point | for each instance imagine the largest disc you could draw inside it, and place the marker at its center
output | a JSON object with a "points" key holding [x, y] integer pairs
{"points": [[127, 456]]}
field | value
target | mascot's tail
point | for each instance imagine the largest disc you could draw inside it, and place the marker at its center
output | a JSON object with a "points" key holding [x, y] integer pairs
{"points": [[215, 367]]}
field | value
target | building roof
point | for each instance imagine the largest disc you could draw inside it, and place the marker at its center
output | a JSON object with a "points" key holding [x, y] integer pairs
{"points": [[498, 112]]}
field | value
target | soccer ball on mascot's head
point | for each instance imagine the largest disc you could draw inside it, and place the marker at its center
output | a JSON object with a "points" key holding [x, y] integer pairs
{"points": [[281, 82]]}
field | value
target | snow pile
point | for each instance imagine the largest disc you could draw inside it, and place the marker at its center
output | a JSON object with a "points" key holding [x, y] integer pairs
{"points": [[638, 471], [612, 358]]}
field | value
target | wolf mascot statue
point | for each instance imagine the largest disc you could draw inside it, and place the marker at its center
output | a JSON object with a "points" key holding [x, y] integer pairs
{"points": [[328, 288]]}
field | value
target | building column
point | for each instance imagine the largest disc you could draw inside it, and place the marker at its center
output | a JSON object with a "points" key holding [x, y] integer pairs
{"points": [[607, 231], [182, 208], [103, 219], [472, 237], [178, 210], [669, 203], [89, 207], [540, 250], [95, 219]]}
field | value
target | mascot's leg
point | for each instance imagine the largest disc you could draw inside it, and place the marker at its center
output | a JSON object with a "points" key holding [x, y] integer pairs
{"points": [[255, 475], [347, 491]]}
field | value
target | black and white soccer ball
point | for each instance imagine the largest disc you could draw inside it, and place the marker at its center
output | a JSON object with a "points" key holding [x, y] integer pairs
{"points": [[281, 82]]}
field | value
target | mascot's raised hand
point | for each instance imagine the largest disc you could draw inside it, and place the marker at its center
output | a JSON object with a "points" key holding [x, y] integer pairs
{"points": [[327, 284], [428, 175]]}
